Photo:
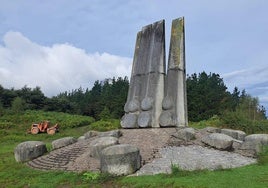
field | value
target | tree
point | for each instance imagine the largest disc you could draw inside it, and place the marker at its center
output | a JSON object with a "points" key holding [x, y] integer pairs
{"points": [[235, 98], [2, 110], [105, 114], [206, 95], [18, 105], [34, 98]]}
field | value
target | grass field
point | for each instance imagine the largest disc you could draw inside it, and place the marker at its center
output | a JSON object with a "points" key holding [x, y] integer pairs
{"points": [[12, 174]]}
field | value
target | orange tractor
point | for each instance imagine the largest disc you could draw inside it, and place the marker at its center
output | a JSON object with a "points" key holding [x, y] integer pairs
{"points": [[44, 127]]}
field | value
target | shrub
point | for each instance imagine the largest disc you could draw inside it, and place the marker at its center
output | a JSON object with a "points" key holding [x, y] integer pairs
{"points": [[105, 125], [6, 125], [237, 120], [263, 156], [91, 176], [214, 121], [33, 116]]}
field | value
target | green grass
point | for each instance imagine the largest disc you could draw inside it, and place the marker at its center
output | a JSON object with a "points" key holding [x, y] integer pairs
{"points": [[249, 176], [13, 174]]}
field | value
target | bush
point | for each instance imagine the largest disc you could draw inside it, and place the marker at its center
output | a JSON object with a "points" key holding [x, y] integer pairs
{"points": [[263, 156], [236, 120], [105, 125], [6, 125], [33, 116], [214, 121]]}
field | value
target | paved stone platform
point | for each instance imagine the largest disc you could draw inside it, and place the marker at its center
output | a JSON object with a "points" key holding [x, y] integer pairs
{"points": [[159, 148], [76, 157]]}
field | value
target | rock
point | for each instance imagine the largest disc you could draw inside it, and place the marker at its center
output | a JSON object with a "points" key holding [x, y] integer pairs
{"points": [[62, 142], [97, 145], [212, 130], [113, 133], [29, 150], [120, 159], [254, 142], [236, 134], [186, 134], [90, 134], [81, 138], [218, 140], [193, 157]]}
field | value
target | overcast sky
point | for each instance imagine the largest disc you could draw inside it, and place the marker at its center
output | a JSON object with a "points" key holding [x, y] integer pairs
{"points": [[61, 45]]}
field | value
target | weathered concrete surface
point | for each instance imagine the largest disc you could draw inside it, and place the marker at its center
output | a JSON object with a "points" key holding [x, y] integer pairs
{"points": [[29, 150], [146, 89], [120, 159], [62, 142], [175, 101], [218, 140]]}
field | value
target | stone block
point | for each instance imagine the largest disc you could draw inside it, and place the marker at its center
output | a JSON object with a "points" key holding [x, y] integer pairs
{"points": [[113, 133], [212, 130], [236, 134], [218, 140], [255, 142], [97, 145], [29, 150], [186, 134], [81, 138], [62, 142], [120, 159], [91, 134]]}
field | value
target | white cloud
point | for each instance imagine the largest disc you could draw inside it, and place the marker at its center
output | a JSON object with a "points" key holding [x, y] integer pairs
{"points": [[254, 80], [55, 69], [246, 78]]}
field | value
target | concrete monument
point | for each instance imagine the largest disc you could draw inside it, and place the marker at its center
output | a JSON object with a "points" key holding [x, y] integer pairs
{"points": [[152, 101], [146, 90], [175, 101]]}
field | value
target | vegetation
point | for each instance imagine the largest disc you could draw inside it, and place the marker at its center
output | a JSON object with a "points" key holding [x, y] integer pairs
{"points": [[13, 132], [107, 97], [81, 110], [248, 176], [207, 97]]}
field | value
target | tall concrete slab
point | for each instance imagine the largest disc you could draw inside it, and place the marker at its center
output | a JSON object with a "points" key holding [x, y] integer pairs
{"points": [[146, 90], [175, 101]]}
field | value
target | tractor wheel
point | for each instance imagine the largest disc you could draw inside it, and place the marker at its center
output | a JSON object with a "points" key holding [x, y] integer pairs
{"points": [[51, 131], [34, 130]]}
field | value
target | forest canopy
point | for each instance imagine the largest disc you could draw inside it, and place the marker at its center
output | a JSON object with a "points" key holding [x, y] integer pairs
{"points": [[207, 96]]}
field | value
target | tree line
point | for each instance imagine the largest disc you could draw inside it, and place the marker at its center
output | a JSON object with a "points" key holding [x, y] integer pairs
{"points": [[207, 96]]}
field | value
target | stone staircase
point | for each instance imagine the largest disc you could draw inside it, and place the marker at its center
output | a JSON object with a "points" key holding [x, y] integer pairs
{"points": [[60, 159]]}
